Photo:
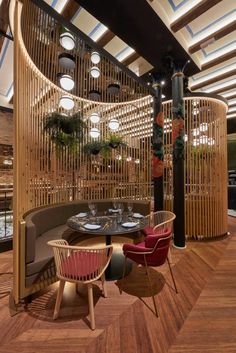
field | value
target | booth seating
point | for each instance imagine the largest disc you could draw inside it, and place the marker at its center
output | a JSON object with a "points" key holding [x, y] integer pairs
{"points": [[49, 223]]}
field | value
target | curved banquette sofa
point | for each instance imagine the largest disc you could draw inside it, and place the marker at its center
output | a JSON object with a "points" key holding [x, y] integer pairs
{"points": [[48, 223]]}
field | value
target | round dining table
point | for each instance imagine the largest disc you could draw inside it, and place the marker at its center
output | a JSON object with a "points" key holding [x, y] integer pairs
{"points": [[109, 226]]}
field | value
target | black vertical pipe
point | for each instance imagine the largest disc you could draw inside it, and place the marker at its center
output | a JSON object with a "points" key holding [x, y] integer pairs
{"points": [[178, 159], [157, 143]]}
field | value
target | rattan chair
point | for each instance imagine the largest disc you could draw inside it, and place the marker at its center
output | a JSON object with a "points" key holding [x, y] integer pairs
{"points": [[78, 264]]}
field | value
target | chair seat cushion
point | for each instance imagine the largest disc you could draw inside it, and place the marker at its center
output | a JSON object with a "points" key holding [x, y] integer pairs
{"points": [[82, 265], [147, 230]]}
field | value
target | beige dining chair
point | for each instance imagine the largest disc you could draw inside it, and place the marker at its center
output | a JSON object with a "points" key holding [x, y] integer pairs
{"points": [[78, 264]]}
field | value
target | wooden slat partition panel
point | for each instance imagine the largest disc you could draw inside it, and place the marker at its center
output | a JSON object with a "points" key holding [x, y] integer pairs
{"points": [[41, 34], [205, 166], [49, 177]]}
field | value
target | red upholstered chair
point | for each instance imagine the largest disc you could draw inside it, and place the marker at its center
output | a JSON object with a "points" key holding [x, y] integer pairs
{"points": [[153, 251], [158, 221], [80, 265]]}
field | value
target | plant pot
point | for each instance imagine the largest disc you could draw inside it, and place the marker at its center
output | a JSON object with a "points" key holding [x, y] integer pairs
{"points": [[114, 144], [95, 151], [66, 127]]}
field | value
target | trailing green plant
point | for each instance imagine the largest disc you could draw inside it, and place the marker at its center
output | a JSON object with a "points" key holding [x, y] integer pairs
{"points": [[65, 130], [115, 141], [94, 147]]}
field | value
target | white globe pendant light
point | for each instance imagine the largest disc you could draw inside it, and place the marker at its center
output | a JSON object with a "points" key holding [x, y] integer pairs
{"points": [[67, 40], [94, 118], [95, 72], [67, 102], [67, 82], [95, 57], [113, 124], [94, 132]]}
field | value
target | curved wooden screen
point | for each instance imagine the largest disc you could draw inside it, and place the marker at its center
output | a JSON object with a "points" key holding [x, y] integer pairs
{"points": [[205, 166], [41, 35]]}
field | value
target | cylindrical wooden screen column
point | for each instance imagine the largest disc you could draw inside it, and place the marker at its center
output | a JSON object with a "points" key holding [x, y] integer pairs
{"points": [[157, 146], [178, 159], [205, 177]]}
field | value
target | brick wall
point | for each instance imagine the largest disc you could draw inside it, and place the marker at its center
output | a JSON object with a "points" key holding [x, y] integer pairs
{"points": [[6, 128]]}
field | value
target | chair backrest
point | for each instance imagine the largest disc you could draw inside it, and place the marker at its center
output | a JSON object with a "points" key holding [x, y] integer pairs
{"points": [[161, 220], [80, 264], [160, 244]]}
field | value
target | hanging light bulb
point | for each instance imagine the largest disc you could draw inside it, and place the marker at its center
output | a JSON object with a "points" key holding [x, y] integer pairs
{"points": [[94, 132], [113, 124], [67, 40], [95, 57], [66, 102], [94, 118], [95, 72], [203, 127], [67, 82]]}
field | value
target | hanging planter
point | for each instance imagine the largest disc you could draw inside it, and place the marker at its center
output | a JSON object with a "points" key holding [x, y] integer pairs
{"points": [[64, 130], [94, 147], [116, 141]]}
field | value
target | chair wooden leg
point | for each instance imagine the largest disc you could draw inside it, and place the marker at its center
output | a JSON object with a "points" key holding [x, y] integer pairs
{"points": [[59, 298], [123, 276], [172, 275], [150, 285], [104, 285], [91, 307]]}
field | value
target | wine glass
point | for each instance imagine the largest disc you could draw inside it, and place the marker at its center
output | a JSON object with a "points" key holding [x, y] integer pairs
{"points": [[114, 205], [120, 208], [130, 208]]}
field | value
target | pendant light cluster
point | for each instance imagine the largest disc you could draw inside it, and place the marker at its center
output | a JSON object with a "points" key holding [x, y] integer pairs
{"points": [[95, 59], [67, 41], [95, 119]]}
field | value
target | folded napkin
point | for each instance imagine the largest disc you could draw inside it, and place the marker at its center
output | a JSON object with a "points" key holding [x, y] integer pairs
{"points": [[81, 214]]}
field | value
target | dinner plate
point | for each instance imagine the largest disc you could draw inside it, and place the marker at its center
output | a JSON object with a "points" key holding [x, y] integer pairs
{"points": [[92, 226], [113, 210], [137, 215], [81, 215], [129, 224]]}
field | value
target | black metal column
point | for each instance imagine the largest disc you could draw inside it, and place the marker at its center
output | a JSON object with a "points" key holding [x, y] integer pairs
{"points": [[157, 146], [178, 159]]}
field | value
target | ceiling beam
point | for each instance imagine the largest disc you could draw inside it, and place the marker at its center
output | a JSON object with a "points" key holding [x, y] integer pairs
{"points": [[131, 59], [70, 10], [192, 14], [227, 56], [213, 79], [223, 89], [232, 96], [215, 35], [106, 38]]}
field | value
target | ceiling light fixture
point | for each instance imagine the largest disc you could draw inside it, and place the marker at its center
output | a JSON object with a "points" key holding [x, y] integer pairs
{"points": [[113, 124], [94, 133], [67, 61], [95, 72], [67, 40], [66, 102], [94, 118], [67, 82], [95, 57]]}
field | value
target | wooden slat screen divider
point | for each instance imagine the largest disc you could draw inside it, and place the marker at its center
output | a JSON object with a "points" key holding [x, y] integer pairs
{"points": [[205, 167]]}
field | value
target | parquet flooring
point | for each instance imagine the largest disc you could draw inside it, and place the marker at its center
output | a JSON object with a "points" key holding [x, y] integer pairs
{"points": [[124, 323]]}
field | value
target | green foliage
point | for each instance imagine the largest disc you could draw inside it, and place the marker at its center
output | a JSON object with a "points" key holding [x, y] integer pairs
{"points": [[115, 141], [95, 147], [64, 130]]}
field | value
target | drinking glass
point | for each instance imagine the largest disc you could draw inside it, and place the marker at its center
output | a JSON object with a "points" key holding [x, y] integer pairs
{"points": [[114, 205], [120, 208], [130, 208]]}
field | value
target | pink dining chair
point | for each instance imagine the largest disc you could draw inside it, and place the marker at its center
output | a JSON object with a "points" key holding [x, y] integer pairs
{"points": [[152, 252], [78, 264]]}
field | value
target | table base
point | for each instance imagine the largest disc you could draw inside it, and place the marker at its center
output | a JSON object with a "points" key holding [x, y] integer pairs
{"points": [[114, 270]]}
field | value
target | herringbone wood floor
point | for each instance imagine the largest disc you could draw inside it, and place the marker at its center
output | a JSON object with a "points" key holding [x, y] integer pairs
{"points": [[200, 318]]}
